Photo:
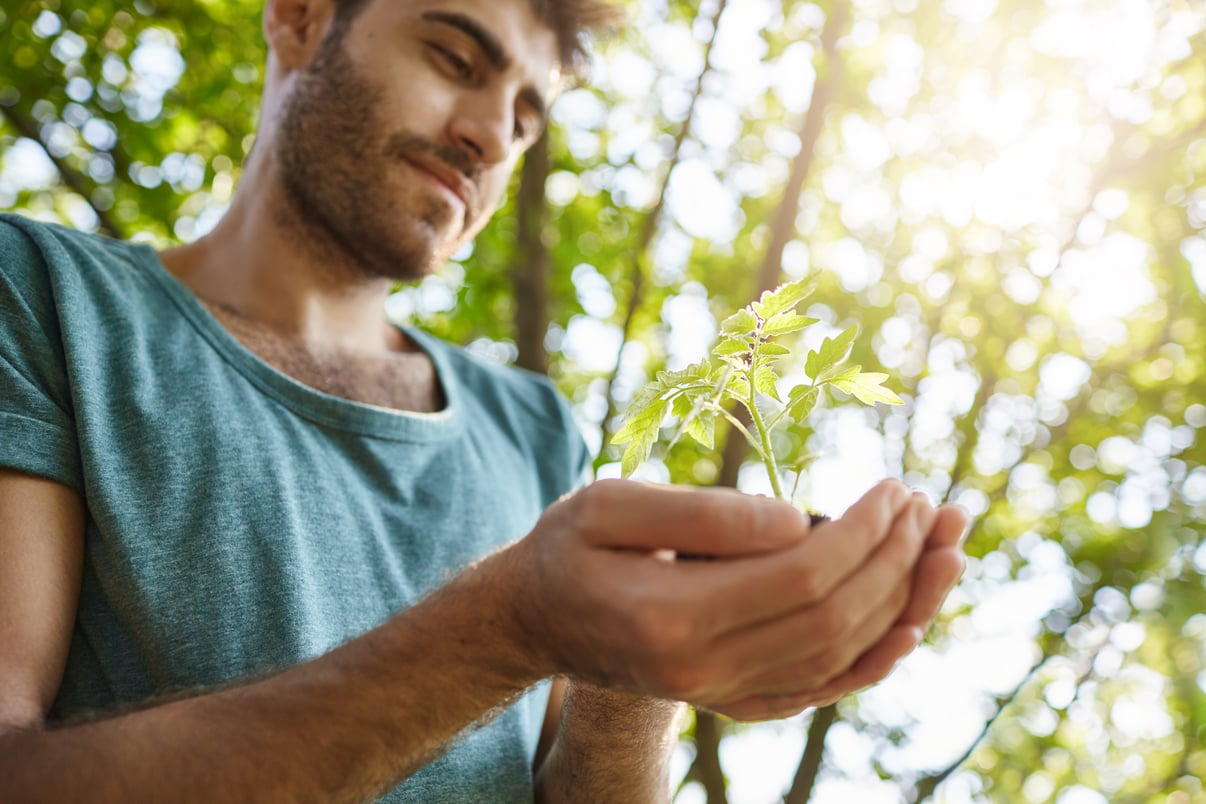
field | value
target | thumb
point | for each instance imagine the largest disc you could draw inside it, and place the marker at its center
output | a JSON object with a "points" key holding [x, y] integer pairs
{"points": [[624, 514]]}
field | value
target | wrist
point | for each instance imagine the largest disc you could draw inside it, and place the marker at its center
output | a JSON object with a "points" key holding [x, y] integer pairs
{"points": [[478, 633], [612, 710], [508, 596]]}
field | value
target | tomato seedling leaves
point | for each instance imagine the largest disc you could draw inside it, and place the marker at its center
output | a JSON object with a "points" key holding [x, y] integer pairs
{"points": [[742, 362]]}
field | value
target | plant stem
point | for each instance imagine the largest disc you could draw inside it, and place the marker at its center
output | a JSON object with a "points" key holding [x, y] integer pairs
{"points": [[768, 456], [733, 420]]}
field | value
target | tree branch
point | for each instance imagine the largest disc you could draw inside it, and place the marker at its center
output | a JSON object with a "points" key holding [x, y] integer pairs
{"points": [[928, 785], [27, 127], [653, 218], [531, 270], [963, 458], [814, 751], [705, 768]]}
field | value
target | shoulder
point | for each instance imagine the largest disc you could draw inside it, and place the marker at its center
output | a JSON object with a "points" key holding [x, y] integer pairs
{"points": [[34, 253], [19, 233]]}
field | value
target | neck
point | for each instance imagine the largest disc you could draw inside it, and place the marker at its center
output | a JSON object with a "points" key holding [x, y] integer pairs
{"points": [[265, 263]]}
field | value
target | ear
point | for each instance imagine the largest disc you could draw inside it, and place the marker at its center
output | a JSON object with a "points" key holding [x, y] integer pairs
{"points": [[295, 28]]}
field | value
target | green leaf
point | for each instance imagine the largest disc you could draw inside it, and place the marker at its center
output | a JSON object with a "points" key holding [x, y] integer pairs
{"points": [[731, 346], [773, 350], [832, 352], [742, 322], [643, 399], [801, 462], [681, 407], [702, 428], [783, 323], [642, 426], [765, 381], [868, 388], [784, 297], [738, 389], [636, 454], [642, 422], [798, 391], [698, 395], [801, 402]]}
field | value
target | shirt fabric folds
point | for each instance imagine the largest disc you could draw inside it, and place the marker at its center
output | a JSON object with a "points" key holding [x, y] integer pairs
{"points": [[239, 521]]}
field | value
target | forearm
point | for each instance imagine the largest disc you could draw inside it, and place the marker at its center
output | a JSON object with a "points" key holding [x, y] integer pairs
{"points": [[344, 727], [611, 747]]}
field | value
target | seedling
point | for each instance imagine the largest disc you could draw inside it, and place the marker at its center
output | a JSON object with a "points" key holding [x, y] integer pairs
{"points": [[744, 370]]}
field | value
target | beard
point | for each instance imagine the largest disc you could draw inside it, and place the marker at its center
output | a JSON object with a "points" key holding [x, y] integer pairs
{"points": [[336, 169]]}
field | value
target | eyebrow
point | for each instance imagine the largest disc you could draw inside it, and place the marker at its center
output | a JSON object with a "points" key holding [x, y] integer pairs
{"points": [[496, 54]]}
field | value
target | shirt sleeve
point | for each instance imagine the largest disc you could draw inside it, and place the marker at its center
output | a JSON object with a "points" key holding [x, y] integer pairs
{"points": [[37, 424]]}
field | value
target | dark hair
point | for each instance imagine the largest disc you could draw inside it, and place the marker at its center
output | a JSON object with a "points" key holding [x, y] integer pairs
{"points": [[575, 22]]}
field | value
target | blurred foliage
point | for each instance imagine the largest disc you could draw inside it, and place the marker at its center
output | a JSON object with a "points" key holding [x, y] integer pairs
{"points": [[1010, 201]]}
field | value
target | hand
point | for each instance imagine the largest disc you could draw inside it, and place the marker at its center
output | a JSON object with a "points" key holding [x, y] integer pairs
{"points": [[778, 614], [937, 572]]}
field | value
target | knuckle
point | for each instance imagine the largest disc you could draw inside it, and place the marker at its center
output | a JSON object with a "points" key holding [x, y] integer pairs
{"points": [[810, 580], [598, 498], [658, 630]]}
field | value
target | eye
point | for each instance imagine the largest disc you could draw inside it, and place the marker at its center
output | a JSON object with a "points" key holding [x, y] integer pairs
{"points": [[459, 66]]}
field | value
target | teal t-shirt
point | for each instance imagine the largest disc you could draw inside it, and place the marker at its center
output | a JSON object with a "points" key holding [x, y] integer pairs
{"points": [[239, 521]]}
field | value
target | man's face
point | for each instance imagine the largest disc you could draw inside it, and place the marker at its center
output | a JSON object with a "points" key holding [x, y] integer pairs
{"points": [[400, 136]]}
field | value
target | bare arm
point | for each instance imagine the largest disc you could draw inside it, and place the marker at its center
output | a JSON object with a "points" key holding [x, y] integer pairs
{"points": [[775, 617], [343, 727], [41, 559], [611, 745]]}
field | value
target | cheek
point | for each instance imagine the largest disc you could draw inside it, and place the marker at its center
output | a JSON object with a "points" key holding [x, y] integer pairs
{"points": [[494, 187]]}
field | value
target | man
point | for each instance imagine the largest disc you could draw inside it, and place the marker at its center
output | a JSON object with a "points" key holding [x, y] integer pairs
{"points": [[255, 544]]}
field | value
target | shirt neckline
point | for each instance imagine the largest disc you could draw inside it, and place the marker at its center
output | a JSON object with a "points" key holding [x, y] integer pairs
{"points": [[308, 402]]}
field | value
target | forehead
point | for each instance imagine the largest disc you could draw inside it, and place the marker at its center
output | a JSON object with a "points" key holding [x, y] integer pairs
{"points": [[528, 42]]}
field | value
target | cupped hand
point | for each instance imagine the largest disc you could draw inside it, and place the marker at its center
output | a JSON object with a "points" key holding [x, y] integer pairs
{"points": [[777, 615], [936, 573]]}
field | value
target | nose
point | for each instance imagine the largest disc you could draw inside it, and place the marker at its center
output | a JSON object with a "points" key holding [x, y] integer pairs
{"points": [[483, 126]]}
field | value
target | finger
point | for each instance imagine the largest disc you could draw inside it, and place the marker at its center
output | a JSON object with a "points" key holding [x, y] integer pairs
{"points": [[623, 514], [876, 509], [762, 708], [734, 595], [950, 527], [926, 512], [818, 630], [816, 672], [937, 573], [873, 666]]}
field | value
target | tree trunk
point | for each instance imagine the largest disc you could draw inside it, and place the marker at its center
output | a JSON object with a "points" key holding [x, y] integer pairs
{"points": [[532, 261]]}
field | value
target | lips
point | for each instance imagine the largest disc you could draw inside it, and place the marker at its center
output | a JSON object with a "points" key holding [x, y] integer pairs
{"points": [[451, 179]]}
